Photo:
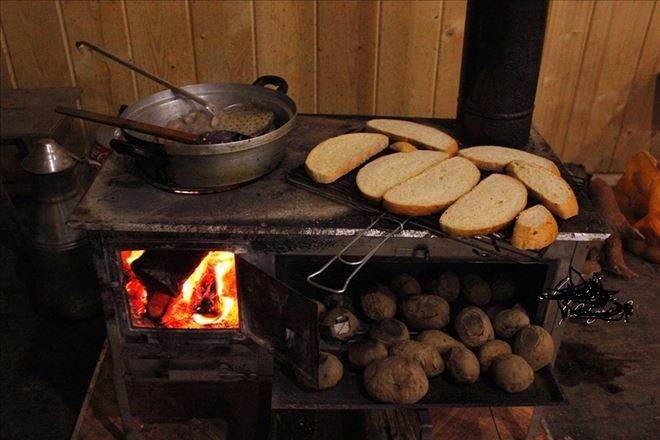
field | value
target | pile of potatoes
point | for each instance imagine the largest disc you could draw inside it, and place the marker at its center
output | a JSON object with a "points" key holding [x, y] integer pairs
{"points": [[484, 337]]}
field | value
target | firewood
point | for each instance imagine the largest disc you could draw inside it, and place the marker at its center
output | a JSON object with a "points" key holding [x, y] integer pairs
{"points": [[605, 201], [157, 305], [165, 271]]}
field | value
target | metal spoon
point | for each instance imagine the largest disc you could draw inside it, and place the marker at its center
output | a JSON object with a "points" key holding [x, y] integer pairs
{"points": [[210, 137], [198, 99]]}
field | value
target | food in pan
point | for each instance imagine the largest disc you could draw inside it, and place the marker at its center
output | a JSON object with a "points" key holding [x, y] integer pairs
{"points": [[337, 156], [490, 350], [446, 285], [535, 228], [425, 355], [550, 189], [492, 158], [475, 289], [417, 134], [534, 344], [404, 284], [502, 287], [403, 147], [379, 175], [365, 351], [512, 373], [509, 321], [488, 207], [425, 311], [439, 340], [463, 365], [331, 371], [389, 331], [320, 309], [434, 189], [395, 380], [339, 324], [473, 327], [379, 302]]}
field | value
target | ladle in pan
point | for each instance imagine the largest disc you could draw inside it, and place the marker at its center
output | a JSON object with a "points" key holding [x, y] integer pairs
{"points": [[198, 99], [210, 137]]}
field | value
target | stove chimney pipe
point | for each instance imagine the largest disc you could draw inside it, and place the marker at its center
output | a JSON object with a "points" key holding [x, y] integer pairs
{"points": [[500, 69]]}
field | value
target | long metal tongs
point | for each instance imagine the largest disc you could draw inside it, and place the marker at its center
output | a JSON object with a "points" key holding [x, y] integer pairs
{"points": [[362, 261], [198, 99]]}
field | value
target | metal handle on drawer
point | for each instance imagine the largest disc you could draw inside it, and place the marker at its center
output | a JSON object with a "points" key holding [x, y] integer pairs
{"points": [[340, 257]]}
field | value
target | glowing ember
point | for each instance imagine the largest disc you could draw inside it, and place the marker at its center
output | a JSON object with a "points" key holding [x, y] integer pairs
{"points": [[208, 298]]}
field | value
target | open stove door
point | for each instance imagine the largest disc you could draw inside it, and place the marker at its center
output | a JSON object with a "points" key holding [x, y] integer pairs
{"points": [[279, 319]]}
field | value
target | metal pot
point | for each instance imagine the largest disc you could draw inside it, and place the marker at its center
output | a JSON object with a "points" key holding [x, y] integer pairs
{"points": [[213, 167]]}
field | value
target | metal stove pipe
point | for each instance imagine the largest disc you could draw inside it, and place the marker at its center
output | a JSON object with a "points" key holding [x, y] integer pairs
{"points": [[501, 61]]}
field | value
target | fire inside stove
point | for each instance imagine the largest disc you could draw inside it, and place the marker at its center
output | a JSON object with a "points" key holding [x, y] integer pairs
{"points": [[181, 290]]}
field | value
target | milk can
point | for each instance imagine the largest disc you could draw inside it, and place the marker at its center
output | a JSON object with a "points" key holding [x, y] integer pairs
{"points": [[62, 279]]}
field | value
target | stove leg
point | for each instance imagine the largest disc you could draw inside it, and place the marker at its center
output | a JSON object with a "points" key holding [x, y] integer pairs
{"points": [[119, 379], [534, 423]]}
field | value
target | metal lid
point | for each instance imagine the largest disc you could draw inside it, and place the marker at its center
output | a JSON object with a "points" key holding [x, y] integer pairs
{"points": [[48, 157]]}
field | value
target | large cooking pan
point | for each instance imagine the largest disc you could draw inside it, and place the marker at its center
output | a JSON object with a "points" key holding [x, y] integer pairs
{"points": [[213, 167]]}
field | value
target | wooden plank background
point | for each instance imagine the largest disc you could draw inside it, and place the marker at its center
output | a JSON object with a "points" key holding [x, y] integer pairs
{"points": [[594, 102]]}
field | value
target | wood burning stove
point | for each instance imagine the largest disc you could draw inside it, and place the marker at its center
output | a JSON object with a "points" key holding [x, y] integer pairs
{"points": [[275, 234]]}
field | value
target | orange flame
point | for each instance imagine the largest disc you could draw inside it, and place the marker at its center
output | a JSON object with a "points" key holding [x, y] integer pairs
{"points": [[208, 298]]}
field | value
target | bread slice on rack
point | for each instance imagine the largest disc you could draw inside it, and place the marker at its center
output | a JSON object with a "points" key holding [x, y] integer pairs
{"points": [[535, 228], [376, 177], [417, 134], [488, 207], [551, 190], [434, 189], [492, 158], [337, 156]]}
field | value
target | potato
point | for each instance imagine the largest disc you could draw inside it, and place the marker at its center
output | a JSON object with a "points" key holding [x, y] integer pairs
{"points": [[463, 365], [512, 373], [320, 309], [490, 350], [339, 324], [389, 331], [534, 344], [473, 327], [446, 285], [379, 303], [364, 352], [441, 341], [403, 285], [509, 321], [475, 290], [395, 380], [330, 373], [425, 311], [503, 287], [424, 354]]}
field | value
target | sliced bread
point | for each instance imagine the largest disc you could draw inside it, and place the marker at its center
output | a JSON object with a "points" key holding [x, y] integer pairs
{"points": [[417, 134], [489, 207], [535, 228], [378, 176], [334, 157], [548, 188], [492, 158], [434, 189]]}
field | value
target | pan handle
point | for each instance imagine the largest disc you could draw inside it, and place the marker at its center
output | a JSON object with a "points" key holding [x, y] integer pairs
{"points": [[141, 153], [273, 80]]}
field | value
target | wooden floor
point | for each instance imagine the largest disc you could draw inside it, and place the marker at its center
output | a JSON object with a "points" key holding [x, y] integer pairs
{"points": [[99, 418]]}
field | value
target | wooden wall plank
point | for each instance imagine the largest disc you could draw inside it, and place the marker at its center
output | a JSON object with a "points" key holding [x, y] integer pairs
{"points": [[7, 79], [347, 56], [615, 42], [286, 45], [35, 43], [223, 41], [409, 38], [105, 84], [161, 40], [637, 132], [449, 59], [565, 40]]}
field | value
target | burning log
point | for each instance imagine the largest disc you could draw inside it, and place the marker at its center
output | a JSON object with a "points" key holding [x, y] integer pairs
{"points": [[165, 271], [157, 305]]}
